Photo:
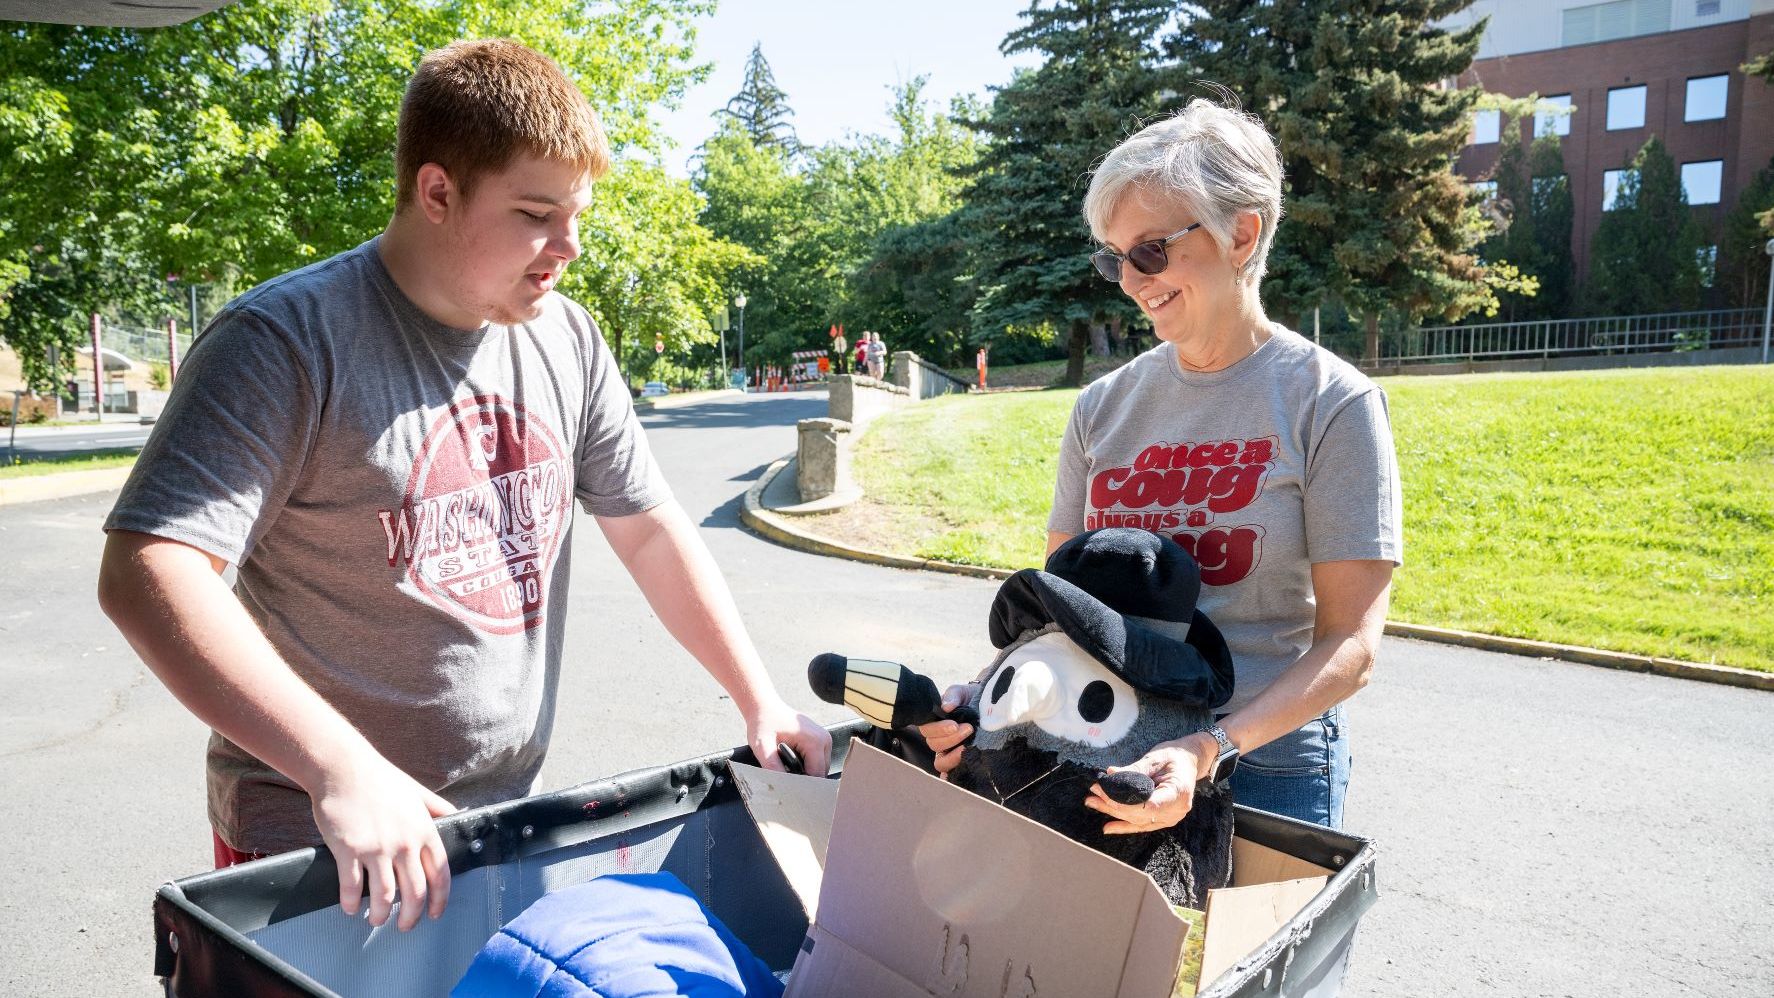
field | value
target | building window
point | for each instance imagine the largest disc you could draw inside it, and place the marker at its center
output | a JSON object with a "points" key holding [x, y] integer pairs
{"points": [[1706, 8], [1556, 118], [1485, 189], [1701, 181], [1708, 258], [1706, 98], [1487, 127], [1626, 108], [1602, 22], [1611, 180]]}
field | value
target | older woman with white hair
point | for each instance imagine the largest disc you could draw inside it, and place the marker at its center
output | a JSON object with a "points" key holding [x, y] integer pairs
{"points": [[1267, 457]]}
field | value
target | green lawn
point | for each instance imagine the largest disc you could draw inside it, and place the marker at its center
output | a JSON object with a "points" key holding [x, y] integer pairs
{"points": [[93, 461], [1631, 510], [1041, 374]]}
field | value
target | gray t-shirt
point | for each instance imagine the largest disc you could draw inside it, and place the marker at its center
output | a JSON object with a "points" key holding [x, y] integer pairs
{"points": [[398, 497], [1280, 461]]}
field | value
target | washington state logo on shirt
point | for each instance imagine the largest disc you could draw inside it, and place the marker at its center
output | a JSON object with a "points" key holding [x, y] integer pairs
{"points": [[1184, 491], [486, 507]]}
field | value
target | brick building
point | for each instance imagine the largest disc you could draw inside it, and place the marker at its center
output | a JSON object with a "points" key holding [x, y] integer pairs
{"points": [[1628, 70]]}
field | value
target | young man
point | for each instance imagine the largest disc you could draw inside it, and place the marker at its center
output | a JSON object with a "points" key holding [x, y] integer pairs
{"points": [[388, 445]]}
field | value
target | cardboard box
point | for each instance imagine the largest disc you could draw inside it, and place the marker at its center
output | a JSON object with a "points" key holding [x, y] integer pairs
{"points": [[914, 887]]}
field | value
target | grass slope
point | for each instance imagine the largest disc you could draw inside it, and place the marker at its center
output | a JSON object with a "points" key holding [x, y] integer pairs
{"points": [[1631, 510], [92, 461]]}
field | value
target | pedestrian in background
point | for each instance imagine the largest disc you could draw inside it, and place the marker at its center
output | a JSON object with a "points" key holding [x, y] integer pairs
{"points": [[877, 357], [841, 350], [862, 353]]}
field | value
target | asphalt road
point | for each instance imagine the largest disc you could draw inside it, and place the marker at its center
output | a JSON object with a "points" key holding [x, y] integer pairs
{"points": [[1544, 829], [66, 441]]}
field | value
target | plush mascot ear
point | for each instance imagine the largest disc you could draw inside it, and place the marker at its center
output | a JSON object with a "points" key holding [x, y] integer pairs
{"points": [[1017, 609]]}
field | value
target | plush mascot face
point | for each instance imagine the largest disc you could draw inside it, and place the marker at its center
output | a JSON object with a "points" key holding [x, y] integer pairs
{"points": [[1048, 692], [1100, 658]]}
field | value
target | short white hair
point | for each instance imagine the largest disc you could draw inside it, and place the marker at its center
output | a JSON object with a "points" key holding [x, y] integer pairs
{"points": [[1220, 161]]}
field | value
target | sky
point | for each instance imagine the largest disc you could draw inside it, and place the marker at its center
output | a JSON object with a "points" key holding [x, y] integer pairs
{"points": [[839, 59]]}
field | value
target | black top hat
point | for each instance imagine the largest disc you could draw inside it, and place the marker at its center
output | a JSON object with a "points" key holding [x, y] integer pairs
{"points": [[1095, 587]]}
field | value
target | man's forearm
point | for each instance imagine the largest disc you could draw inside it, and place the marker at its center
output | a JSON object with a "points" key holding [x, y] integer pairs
{"points": [[184, 622]]}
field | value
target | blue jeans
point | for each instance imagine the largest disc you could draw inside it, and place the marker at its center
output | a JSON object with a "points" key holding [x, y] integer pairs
{"points": [[1303, 774]]}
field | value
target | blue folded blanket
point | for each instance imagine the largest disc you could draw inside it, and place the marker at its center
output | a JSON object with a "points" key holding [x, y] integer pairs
{"points": [[638, 935]]}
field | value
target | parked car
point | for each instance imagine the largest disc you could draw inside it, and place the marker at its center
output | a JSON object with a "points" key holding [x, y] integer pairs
{"points": [[654, 389]]}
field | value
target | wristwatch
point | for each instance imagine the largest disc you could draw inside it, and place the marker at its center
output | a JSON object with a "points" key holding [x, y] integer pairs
{"points": [[1224, 763]]}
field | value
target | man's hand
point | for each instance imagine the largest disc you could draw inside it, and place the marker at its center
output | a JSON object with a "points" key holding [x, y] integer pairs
{"points": [[377, 821], [776, 723], [1175, 768], [947, 738], [169, 600]]}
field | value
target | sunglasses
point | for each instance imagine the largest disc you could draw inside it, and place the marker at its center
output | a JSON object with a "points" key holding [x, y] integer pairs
{"points": [[1148, 257]]}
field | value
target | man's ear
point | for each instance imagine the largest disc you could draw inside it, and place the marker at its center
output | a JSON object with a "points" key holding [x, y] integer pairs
{"points": [[435, 193]]}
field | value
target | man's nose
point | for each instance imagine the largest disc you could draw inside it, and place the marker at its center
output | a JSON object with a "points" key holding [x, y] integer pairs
{"points": [[566, 244]]}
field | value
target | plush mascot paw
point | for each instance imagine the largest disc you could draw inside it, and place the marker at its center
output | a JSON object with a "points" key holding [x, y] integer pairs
{"points": [[1126, 786]]}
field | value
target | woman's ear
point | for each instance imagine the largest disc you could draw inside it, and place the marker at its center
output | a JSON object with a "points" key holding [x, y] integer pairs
{"points": [[1245, 235]]}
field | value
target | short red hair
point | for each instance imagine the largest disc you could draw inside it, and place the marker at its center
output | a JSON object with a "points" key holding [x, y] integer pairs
{"points": [[474, 106]]}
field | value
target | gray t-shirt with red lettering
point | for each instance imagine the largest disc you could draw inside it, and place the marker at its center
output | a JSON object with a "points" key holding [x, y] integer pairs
{"points": [[1280, 461], [398, 497]]}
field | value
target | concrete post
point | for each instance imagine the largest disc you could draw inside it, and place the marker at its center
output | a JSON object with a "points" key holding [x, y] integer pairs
{"points": [[907, 374], [822, 458]]}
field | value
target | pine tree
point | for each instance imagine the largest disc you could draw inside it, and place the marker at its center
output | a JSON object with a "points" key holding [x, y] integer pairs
{"points": [[1352, 88], [1645, 255], [1554, 212], [1100, 79], [1748, 226], [761, 107], [1514, 241]]}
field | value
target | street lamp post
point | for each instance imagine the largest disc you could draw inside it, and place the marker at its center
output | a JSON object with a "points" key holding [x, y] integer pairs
{"points": [[1768, 310], [744, 380]]}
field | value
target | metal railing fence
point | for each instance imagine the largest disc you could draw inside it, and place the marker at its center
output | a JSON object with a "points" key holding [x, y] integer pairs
{"points": [[1615, 334]]}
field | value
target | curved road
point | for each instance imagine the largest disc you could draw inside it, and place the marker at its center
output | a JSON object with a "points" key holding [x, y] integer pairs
{"points": [[1544, 829]]}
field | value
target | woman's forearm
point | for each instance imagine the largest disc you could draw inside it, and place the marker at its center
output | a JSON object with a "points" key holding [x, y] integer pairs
{"points": [[1332, 670]]}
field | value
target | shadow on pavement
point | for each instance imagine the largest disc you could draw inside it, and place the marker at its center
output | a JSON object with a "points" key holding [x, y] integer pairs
{"points": [[726, 514]]}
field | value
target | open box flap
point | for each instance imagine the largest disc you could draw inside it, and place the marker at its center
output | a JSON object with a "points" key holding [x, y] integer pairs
{"points": [[794, 815], [962, 897], [1239, 919]]}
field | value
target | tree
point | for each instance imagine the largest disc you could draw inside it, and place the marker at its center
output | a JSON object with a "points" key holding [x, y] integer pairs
{"points": [[1533, 236], [1554, 212], [814, 220], [1102, 77], [1747, 229], [761, 107], [916, 283], [1645, 255], [648, 270], [1762, 66], [753, 197], [259, 138], [1512, 208], [1352, 89]]}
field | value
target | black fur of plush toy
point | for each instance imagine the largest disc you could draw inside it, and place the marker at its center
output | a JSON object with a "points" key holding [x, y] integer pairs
{"points": [[1100, 657]]}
